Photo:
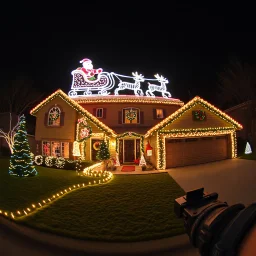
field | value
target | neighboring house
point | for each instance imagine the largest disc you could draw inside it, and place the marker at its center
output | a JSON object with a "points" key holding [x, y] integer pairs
{"points": [[180, 135], [245, 113]]}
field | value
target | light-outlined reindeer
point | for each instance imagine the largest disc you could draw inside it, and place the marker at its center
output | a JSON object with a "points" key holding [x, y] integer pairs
{"points": [[131, 86], [158, 88]]}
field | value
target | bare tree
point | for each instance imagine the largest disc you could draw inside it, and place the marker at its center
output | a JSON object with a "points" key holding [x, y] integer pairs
{"points": [[237, 83], [17, 97]]}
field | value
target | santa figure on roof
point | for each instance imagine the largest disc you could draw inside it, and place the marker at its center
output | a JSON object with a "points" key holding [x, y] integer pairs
{"points": [[88, 69]]}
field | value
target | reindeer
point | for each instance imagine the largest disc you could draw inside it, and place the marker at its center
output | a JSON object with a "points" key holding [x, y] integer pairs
{"points": [[158, 88], [131, 86]]}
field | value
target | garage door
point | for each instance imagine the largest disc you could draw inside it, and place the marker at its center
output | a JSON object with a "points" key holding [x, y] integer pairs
{"points": [[182, 152]]}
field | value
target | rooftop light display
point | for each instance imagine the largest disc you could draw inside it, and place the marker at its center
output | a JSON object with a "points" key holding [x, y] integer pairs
{"points": [[88, 81]]}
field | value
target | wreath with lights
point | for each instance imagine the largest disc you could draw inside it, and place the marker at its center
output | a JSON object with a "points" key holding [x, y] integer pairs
{"points": [[84, 130], [49, 161], [131, 115], [199, 115], [96, 145], [60, 162], [39, 160]]}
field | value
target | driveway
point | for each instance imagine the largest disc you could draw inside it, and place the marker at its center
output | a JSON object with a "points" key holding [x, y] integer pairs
{"points": [[234, 179]]}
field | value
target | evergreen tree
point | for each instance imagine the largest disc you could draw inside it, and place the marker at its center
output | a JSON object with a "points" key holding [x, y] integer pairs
{"points": [[21, 162], [103, 153]]}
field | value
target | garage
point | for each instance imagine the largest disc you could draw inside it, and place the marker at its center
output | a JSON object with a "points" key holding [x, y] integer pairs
{"points": [[189, 151]]}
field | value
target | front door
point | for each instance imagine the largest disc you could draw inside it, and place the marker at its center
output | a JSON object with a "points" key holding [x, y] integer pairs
{"points": [[95, 146], [129, 151]]}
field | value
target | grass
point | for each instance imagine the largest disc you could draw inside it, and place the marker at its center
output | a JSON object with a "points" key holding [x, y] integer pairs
{"points": [[19, 192], [251, 156], [129, 208]]}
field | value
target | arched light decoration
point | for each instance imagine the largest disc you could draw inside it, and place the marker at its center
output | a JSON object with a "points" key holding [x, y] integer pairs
{"points": [[88, 81]]}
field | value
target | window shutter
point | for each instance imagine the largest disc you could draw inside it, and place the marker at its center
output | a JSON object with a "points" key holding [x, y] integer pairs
{"points": [[141, 117], [46, 119], [62, 116], [104, 112], [154, 113], [164, 113], [94, 111], [120, 117]]}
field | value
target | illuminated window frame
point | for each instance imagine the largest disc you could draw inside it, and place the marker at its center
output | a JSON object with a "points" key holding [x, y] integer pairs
{"points": [[125, 120], [56, 122], [62, 148]]}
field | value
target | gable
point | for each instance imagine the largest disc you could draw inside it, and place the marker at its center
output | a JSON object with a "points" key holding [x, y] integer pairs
{"points": [[61, 97], [183, 119], [187, 119]]}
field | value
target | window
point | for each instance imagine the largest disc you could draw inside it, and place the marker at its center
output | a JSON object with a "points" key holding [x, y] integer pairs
{"points": [[99, 112], [131, 116], [55, 149], [159, 113], [54, 116]]}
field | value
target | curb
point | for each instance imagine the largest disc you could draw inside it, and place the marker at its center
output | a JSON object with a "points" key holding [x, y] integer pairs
{"points": [[153, 247]]}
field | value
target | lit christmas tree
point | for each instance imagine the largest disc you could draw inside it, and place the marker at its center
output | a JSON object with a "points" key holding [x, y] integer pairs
{"points": [[21, 162], [248, 149], [103, 153]]}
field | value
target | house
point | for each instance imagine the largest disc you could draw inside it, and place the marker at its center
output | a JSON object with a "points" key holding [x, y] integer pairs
{"points": [[245, 113], [73, 125]]}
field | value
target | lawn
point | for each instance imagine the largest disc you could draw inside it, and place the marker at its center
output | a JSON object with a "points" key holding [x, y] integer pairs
{"points": [[17, 193], [251, 156], [128, 208]]}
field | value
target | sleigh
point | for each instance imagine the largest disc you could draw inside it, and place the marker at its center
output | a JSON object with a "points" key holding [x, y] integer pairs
{"points": [[81, 86]]}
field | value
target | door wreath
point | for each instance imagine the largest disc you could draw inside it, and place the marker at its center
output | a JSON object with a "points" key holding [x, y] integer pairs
{"points": [[96, 145]]}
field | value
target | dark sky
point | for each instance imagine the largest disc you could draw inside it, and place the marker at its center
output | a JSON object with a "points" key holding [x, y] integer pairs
{"points": [[187, 43]]}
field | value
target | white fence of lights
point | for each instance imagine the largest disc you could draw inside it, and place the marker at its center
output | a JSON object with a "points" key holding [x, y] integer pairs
{"points": [[94, 82]]}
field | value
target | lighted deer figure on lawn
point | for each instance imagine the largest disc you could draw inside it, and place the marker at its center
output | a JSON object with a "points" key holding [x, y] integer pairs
{"points": [[131, 86], [158, 88]]}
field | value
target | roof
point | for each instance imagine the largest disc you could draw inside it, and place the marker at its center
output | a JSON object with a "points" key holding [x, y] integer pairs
{"points": [[189, 105], [246, 103], [127, 99], [75, 105]]}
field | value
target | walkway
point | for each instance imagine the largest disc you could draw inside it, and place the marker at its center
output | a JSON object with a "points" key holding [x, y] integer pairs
{"points": [[138, 170]]}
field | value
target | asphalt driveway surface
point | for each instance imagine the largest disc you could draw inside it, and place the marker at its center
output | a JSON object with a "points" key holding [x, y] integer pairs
{"points": [[234, 179]]}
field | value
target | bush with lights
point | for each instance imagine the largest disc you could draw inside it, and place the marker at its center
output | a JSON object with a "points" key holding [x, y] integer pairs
{"points": [[60, 162], [21, 162]]}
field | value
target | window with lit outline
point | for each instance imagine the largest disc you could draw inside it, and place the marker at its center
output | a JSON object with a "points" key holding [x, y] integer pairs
{"points": [[55, 149], [131, 115], [54, 116]]}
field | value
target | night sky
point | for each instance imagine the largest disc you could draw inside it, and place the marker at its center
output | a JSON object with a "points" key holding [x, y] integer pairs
{"points": [[187, 43]]}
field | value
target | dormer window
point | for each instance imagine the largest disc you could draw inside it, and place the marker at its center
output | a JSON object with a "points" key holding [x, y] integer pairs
{"points": [[54, 116]]}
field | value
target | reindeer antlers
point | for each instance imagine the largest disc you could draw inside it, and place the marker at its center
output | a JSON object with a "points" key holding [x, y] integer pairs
{"points": [[136, 74], [161, 78]]}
